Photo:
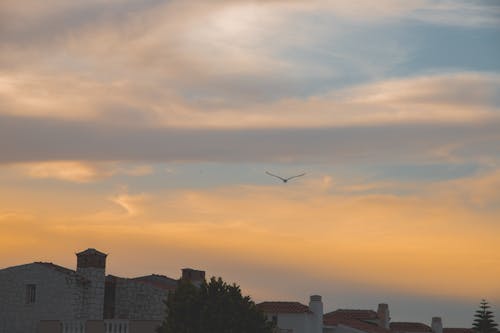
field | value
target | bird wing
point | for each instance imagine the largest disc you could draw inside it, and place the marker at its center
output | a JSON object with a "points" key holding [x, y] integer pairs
{"points": [[270, 174], [302, 174]]}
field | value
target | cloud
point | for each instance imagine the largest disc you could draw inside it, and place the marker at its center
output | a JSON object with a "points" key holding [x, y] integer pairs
{"points": [[140, 170], [460, 13], [445, 98], [80, 172], [443, 90], [30, 140], [15, 215], [258, 50], [452, 117], [131, 204]]}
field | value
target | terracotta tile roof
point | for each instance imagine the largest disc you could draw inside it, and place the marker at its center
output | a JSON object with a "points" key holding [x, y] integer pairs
{"points": [[357, 319], [283, 307], [358, 325], [457, 330], [345, 314], [409, 327]]}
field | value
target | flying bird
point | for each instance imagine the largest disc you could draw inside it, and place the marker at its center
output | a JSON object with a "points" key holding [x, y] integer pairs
{"points": [[285, 179]]}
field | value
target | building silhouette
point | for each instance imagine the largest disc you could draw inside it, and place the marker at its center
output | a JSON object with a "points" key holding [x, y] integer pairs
{"points": [[43, 291]]}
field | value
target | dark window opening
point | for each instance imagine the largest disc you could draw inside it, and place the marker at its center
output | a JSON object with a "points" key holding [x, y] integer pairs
{"points": [[30, 293]]}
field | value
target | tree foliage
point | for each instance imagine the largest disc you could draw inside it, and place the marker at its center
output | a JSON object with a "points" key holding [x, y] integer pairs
{"points": [[484, 322], [214, 307]]}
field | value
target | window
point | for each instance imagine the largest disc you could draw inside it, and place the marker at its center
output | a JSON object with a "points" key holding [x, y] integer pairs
{"points": [[30, 293]]}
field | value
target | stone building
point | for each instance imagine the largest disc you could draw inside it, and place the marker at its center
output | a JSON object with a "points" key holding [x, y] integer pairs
{"points": [[43, 291]]}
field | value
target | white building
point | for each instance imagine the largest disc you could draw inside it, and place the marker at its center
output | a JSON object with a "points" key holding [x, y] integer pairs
{"points": [[294, 317]]}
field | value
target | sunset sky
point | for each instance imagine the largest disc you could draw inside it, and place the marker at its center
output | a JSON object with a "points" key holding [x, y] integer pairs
{"points": [[144, 129]]}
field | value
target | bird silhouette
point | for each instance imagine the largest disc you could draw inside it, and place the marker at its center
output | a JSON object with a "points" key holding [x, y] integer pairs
{"points": [[285, 179]]}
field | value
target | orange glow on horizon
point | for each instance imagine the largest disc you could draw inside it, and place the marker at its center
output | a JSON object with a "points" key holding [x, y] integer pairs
{"points": [[421, 243]]}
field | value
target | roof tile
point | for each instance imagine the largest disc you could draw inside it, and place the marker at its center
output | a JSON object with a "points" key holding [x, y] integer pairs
{"points": [[344, 314], [283, 307], [409, 327]]}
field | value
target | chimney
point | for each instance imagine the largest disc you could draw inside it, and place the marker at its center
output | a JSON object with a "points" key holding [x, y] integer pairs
{"points": [[91, 264], [316, 307], [90, 258], [437, 325], [196, 277], [383, 315]]}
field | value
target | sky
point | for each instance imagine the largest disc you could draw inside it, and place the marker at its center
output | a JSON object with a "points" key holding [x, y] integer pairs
{"points": [[144, 129]]}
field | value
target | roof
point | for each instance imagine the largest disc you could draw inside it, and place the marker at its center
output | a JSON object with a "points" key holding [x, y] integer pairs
{"points": [[55, 267], [62, 270], [457, 330], [283, 307], [410, 327], [91, 251], [346, 314], [158, 281], [359, 325], [358, 319]]}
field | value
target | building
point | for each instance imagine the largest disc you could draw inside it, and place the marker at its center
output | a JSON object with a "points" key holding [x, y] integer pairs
{"points": [[435, 327], [47, 298], [41, 291], [356, 321], [294, 317]]}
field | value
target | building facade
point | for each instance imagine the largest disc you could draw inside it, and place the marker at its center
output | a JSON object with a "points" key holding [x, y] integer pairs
{"points": [[40, 291], [294, 317]]}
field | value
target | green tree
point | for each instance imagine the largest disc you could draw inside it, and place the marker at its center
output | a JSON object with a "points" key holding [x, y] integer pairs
{"points": [[214, 307], [183, 309], [484, 322]]}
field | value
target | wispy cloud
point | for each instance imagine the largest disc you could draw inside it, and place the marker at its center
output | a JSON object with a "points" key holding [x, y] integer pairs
{"points": [[460, 13], [132, 204], [80, 172], [444, 98]]}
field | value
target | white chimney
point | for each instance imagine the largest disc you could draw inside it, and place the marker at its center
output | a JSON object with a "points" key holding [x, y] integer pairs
{"points": [[437, 325], [316, 307], [383, 315]]}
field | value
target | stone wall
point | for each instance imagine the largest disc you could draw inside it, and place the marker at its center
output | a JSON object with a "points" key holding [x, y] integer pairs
{"points": [[58, 295], [139, 301], [93, 293]]}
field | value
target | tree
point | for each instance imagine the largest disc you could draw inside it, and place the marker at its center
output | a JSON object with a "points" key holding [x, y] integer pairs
{"points": [[484, 322], [183, 307], [214, 307]]}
